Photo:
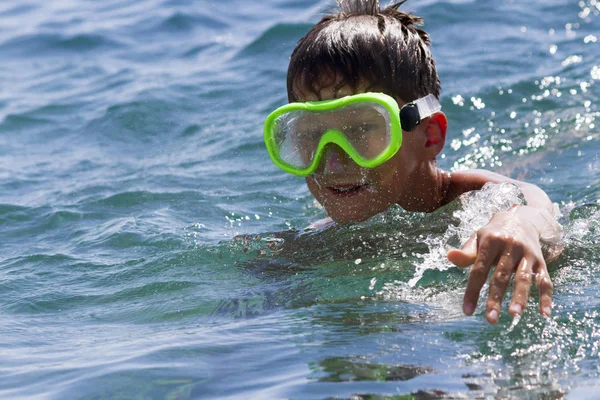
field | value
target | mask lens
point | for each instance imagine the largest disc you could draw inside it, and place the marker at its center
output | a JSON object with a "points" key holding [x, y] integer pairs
{"points": [[366, 127], [297, 135]]}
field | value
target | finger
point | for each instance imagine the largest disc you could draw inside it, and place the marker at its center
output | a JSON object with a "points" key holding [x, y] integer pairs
{"points": [[466, 255], [486, 256], [545, 288], [523, 281], [499, 284]]}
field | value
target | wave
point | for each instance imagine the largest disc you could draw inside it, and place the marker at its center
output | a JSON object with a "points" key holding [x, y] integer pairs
{"points": [[275, 39], [23, 122], [180, 22], [47, 44], [7, 209], [37, 220]]}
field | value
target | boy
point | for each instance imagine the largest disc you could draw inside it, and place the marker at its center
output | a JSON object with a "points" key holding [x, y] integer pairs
{"points": [[364, 128]]}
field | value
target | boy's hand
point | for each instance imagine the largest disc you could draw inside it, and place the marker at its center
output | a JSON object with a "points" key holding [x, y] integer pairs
{"points": [[511, 241]]}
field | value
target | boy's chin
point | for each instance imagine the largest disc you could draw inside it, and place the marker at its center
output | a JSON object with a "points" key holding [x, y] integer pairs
{"points": [[350, 216]]}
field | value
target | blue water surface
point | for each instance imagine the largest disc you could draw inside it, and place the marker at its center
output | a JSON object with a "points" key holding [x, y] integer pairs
{"points": [[149, 249]]}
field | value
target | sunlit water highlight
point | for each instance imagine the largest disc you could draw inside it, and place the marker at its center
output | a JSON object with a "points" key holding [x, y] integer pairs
{"points": [[149, 249]]}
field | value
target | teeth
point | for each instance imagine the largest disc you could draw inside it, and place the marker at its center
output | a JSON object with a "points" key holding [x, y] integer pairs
{"points": [[343, 190]]}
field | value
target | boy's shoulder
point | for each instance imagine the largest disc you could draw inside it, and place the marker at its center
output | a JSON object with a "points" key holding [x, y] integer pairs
{"points": [[474, 179]]}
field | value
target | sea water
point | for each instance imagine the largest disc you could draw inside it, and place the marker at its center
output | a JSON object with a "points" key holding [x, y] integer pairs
{"points": [[149, 249]]}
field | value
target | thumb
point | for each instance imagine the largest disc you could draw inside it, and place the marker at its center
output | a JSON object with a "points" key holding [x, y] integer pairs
{"points": [[466, 255]]}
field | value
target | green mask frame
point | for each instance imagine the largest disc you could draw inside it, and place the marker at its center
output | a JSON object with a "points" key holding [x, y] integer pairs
{"points": [[410, 115]]}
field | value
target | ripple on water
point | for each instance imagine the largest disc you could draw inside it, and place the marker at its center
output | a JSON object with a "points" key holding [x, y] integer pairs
{"points": [[24, 123], [12, 212], [140, 199], [13, 10]]}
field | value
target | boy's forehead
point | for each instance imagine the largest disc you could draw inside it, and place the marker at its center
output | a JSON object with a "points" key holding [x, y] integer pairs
{"points": [[327, 91], [330, 92], [341, 89]]}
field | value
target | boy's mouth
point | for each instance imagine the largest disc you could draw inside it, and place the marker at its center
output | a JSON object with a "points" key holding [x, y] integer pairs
{"points": [[347, 190]]}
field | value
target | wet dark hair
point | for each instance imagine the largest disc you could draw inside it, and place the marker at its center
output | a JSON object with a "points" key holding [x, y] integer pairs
{"points": [[364, 43]]}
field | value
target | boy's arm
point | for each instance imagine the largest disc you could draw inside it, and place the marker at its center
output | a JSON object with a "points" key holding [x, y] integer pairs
{"points": [[512, 241]]}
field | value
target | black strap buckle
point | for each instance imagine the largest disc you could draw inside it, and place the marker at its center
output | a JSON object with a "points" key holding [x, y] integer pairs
{"points": [[409, 117]]}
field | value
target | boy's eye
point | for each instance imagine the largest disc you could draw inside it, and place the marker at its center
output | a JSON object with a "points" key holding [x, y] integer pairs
{"points": [[313, 132], [362, 128], [310, 130]]}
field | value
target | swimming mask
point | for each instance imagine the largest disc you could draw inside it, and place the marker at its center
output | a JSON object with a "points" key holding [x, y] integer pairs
{"points": [[367, 126]]}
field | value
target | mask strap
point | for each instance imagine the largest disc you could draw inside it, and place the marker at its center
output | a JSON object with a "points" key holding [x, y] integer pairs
{"points": [[413, 113]]}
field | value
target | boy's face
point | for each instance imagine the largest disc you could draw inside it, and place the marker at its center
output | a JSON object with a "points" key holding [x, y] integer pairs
{"points": [[350, 193]]}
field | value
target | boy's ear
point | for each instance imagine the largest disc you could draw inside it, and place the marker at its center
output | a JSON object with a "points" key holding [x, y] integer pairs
{"points": [[436, 133]]}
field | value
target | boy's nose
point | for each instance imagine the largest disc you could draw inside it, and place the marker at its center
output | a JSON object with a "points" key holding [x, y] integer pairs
{"points": [[336, 160]]}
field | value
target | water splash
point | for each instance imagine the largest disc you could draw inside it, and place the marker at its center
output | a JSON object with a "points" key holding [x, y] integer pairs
{"points": [[478, 208], [584, 227]]}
